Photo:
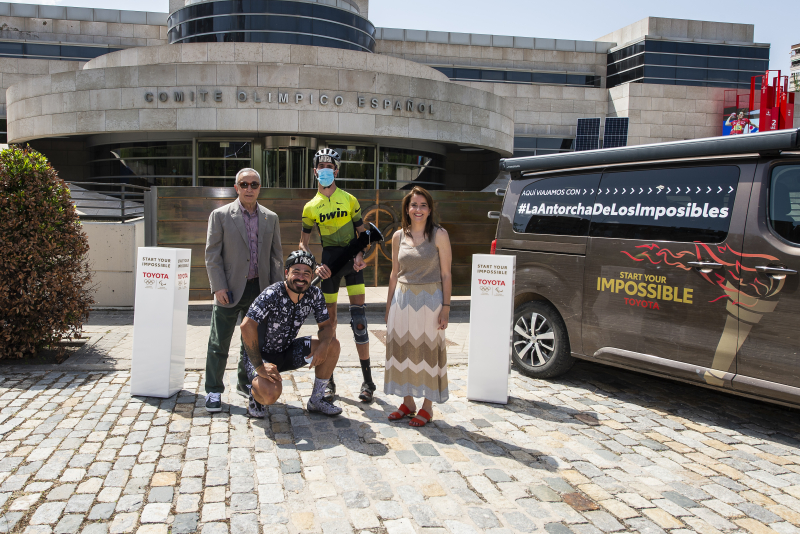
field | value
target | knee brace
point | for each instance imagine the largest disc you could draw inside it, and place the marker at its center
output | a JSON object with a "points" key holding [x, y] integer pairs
{"points": [[358, 322]]}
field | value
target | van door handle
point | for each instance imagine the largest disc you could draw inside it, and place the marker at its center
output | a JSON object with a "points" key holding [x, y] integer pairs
{"points": [[705, 267], [493, 215], [778, 273]]}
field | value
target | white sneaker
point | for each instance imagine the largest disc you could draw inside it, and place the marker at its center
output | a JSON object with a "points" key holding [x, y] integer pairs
{"points": [[214, 402]]}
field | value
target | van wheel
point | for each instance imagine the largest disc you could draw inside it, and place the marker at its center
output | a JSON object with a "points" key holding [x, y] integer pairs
{"points": [[540, 348]]}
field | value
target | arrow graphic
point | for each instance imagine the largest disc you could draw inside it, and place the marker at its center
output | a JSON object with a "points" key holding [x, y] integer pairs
{"points": [[709, 189], [593, 191], [698, 189], [668, 190], [651, 190], [641, 190], [607, 190], [615, 190], [623, 190], [584, 191], [730, 190]]}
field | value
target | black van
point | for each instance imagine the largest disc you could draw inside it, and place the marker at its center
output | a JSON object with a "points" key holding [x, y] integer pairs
{"points": [[677, 259]]}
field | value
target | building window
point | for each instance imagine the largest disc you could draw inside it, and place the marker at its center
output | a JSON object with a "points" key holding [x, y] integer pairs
{"points": [[167, 163], [403, 169], [518, 76], [539, 146], [357, 166], [219, 161], [4, 132], [271, 21], [678, 63], [53, 51]]}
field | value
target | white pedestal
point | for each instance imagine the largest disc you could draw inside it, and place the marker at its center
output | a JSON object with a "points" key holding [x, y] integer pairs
{"points": [[161, 311], [490, 319]]}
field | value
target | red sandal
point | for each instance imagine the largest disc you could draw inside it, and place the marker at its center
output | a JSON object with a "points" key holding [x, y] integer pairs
{"points": [[401, 412], [421, 419]]}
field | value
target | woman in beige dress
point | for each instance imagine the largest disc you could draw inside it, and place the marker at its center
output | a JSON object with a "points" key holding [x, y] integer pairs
{"points": [[418, 310]]}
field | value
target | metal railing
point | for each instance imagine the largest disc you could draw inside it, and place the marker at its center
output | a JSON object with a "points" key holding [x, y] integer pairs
{"points": [[108, 201]]}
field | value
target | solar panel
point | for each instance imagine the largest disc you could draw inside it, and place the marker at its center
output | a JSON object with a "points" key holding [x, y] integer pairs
{"points": [[616, 132], [588, 137]]}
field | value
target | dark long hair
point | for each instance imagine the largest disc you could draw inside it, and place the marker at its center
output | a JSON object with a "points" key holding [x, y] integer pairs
{"points": [[406, 220]]}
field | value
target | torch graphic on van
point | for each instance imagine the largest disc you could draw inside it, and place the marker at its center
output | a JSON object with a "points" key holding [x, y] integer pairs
{"points": [[756, 294]]}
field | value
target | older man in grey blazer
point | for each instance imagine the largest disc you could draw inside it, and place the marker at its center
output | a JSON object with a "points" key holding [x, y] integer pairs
{"points": [[243, 256]]}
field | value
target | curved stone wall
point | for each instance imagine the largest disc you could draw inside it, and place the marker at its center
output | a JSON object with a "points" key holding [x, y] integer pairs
{"points": [[258, 89]]}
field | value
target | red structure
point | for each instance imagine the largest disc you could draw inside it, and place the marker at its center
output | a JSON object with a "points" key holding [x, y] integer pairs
{"points": [[776, 109]]}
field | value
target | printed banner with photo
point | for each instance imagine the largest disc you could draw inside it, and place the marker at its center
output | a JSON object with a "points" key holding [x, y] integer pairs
{"points": [[739, 121]]}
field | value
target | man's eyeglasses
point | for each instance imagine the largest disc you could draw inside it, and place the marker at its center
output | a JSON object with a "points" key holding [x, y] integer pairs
{"points": [[252, 185]]}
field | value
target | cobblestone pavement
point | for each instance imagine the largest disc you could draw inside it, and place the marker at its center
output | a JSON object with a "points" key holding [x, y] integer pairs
{"points": [[599, 450]]}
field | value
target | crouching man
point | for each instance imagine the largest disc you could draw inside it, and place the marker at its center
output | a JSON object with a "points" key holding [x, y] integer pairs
{"points": [[276, 317]]}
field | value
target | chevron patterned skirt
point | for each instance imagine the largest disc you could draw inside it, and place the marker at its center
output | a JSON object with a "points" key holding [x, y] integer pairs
{"points": [[416, 354]]}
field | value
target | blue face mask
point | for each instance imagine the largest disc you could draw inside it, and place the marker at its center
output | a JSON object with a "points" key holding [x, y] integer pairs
{"points": [[325, 177]]}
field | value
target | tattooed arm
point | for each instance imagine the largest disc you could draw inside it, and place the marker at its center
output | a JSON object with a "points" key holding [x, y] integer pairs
{"points": [[249, 330]]}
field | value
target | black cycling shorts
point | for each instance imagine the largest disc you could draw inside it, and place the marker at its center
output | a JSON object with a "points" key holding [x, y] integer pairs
{"points": [[288, 360], [330, 286]]}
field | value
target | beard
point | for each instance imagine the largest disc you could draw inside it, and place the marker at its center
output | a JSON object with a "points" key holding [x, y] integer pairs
{"points": [[292, 285]]}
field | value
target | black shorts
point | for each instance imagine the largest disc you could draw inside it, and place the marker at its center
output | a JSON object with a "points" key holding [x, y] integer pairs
{"points": [[288, 360], [331, 285]]}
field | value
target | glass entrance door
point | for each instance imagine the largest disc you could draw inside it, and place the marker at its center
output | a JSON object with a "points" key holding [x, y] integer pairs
{"points": [[288, 168]]}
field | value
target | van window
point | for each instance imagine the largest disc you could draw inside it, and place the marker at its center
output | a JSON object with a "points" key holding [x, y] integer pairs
{"points": [[560, 205], [679, 204], [784, 202]]}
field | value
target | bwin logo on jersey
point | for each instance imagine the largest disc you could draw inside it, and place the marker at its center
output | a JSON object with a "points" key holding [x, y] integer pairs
{"points": [[333, 215]]}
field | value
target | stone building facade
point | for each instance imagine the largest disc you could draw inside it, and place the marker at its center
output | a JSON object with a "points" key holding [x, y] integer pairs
{"points": [[141, 97]]}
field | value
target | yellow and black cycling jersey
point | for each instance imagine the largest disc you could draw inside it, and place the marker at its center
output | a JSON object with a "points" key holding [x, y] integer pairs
{"points": [[336, 217]]}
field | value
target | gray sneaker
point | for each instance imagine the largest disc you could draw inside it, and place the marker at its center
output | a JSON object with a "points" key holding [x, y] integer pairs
{"points": [[323, 406], [256, 410]]}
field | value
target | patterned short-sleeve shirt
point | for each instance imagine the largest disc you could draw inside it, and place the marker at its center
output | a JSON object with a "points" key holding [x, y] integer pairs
{"points": [[283, 318]]}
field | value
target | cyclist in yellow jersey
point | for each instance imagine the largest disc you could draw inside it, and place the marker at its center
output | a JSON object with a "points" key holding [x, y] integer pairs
{"points": [[337, 215]]}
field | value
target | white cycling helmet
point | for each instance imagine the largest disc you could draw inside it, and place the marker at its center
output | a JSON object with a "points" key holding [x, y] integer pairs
{"points": [[327, 155]]}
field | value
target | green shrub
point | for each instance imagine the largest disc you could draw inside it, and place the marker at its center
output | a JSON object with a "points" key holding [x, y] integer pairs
{"points": [[44, 293]]}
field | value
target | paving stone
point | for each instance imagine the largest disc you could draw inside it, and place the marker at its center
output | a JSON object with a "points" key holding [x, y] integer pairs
{"points": [[457, 527], [214, 528], [95, 528], [69, 524], [130, 503], [557, 528], [155, 513], [424, 515], [544, 493], [244, 524], [184, 523], [161, 494], [102, 511], [407, 457], [519, 521], [389, 509], [48, 513], [9, 521], [241, 502], [483, 517], [123, 523], [79, 503]]}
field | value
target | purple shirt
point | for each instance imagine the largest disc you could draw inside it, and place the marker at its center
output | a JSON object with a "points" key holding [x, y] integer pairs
{"points": [[251, 225]]}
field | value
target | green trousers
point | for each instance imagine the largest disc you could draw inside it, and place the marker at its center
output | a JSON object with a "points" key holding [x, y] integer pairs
{"points": [[223, 325]]}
